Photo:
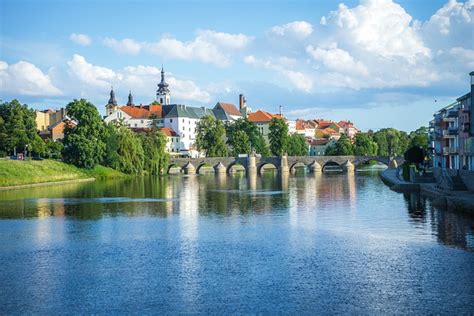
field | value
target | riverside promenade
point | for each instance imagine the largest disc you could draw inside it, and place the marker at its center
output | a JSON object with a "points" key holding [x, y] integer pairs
{"points": [[453, 200]]}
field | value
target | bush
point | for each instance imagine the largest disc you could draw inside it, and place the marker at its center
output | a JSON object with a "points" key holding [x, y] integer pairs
{"points": [[415, 155]]}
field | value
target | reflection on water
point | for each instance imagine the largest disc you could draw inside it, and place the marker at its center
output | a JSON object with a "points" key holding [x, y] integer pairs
{"points": [[231, 196], [340, 242]]}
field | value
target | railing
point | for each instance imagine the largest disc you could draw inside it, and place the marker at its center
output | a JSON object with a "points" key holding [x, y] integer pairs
{"points": [[448, 119], [453, 131], [453, 113]]}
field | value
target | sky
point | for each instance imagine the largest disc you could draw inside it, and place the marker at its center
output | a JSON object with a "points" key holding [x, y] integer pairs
{"points": [[378, 63]]}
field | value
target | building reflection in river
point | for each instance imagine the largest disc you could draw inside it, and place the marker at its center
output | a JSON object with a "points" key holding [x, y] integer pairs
{"points": [[303, 197]]}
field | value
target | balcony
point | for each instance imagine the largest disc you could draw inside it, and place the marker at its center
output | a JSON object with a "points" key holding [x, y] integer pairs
{"points": [[452, 113], [453, 131], [449, 151], [448, 119], [445, 134]]}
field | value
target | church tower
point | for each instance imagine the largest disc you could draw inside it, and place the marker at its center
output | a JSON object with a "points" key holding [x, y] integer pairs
{"points": [[130, 99], [163, 93], [112, 104]]}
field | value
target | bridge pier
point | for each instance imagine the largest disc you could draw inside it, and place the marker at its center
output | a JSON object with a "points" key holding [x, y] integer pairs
{"points": [[251, 165], [393, 164], [315, 167], [348, 166], [220, 168], [189, 169], [284, 169]]}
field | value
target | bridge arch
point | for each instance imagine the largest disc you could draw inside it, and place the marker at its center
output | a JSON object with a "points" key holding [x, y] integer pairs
{"points": [[299, 164], [174, 165], [233, 165], [204, 164], [261, 167], [330, 164]]}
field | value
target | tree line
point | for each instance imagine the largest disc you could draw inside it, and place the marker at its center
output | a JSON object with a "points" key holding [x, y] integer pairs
{"points": [[384, 142], [218, 139], [87, 144]]}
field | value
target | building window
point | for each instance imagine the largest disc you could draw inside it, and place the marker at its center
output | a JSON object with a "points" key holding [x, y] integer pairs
{"points": [[183, 120], [135, 124], [171, 120], [142, 121]]}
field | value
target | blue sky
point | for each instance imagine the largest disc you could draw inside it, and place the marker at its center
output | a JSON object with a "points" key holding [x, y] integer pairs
{"points": [[379, 63]]}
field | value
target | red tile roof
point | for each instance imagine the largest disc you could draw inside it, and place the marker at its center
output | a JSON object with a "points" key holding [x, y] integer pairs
{"points": [[142, 112], [262, 116], [229, 108], [168, 131], [319, 142]]}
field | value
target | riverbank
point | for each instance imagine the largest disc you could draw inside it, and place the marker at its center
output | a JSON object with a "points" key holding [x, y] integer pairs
{"points": [[455, 200], [17, 174]]}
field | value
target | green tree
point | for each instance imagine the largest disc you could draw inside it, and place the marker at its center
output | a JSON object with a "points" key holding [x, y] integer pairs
{"points": [[297, 145], [17, 127], [364, 145], [415, 154], [343, 147], [257, 142], [240, 143], [391, 142], [278, 137], [53, 149], [154, 147], [419, 137], [83, 145], [210, 137]]}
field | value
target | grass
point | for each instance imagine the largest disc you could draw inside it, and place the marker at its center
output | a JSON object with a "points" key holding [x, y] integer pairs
{"points": [[15, 172]]}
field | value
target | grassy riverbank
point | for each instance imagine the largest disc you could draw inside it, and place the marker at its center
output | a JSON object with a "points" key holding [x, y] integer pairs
{"points": [[14, 172]]}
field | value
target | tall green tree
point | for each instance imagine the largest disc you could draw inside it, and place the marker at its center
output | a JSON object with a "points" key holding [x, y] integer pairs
{"points": [[391, 142], [210, 137], [155, 155], [364, 145], [83, 145], [419, 138], [124, 150], [257, 142], [343, 147], [278, 137], [18, 128], [240, 143], [297, 145]]}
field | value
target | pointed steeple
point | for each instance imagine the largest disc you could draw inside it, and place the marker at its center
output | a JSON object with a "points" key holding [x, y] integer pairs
{"points": [[163, 92], [112, 99], [130, 99]]}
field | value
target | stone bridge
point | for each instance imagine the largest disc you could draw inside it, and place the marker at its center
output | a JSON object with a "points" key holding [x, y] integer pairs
{"points": [[253, 164]]}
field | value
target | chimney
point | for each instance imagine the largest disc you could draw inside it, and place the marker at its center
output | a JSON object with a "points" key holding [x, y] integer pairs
{"points": [[280, 110], [241, 101]]}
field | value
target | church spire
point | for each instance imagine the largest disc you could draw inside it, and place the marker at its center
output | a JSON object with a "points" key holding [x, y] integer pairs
{"points": [[112, 99], [163, 93], [130, 99]]}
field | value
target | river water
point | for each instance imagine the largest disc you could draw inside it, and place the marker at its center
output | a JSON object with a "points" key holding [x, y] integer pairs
{"points": [[327, 243]]}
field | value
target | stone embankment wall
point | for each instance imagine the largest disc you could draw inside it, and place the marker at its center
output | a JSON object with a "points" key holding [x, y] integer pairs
{"points": [[466, 176]]}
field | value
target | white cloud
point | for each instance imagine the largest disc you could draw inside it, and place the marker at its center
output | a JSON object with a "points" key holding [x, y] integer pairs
{"points": [[298, 29], [81, 39], [124, 46], [338, 60], [208, 46], [380, 27], [297, 79], [90, 74], [24, 78], [140, 79], [450, 16]]}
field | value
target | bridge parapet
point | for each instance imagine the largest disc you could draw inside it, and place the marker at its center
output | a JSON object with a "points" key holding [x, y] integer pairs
{"points": [[282, 164]]}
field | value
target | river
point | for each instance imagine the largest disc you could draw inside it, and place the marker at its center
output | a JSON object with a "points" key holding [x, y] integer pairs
{"points": [[327, 243]]}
